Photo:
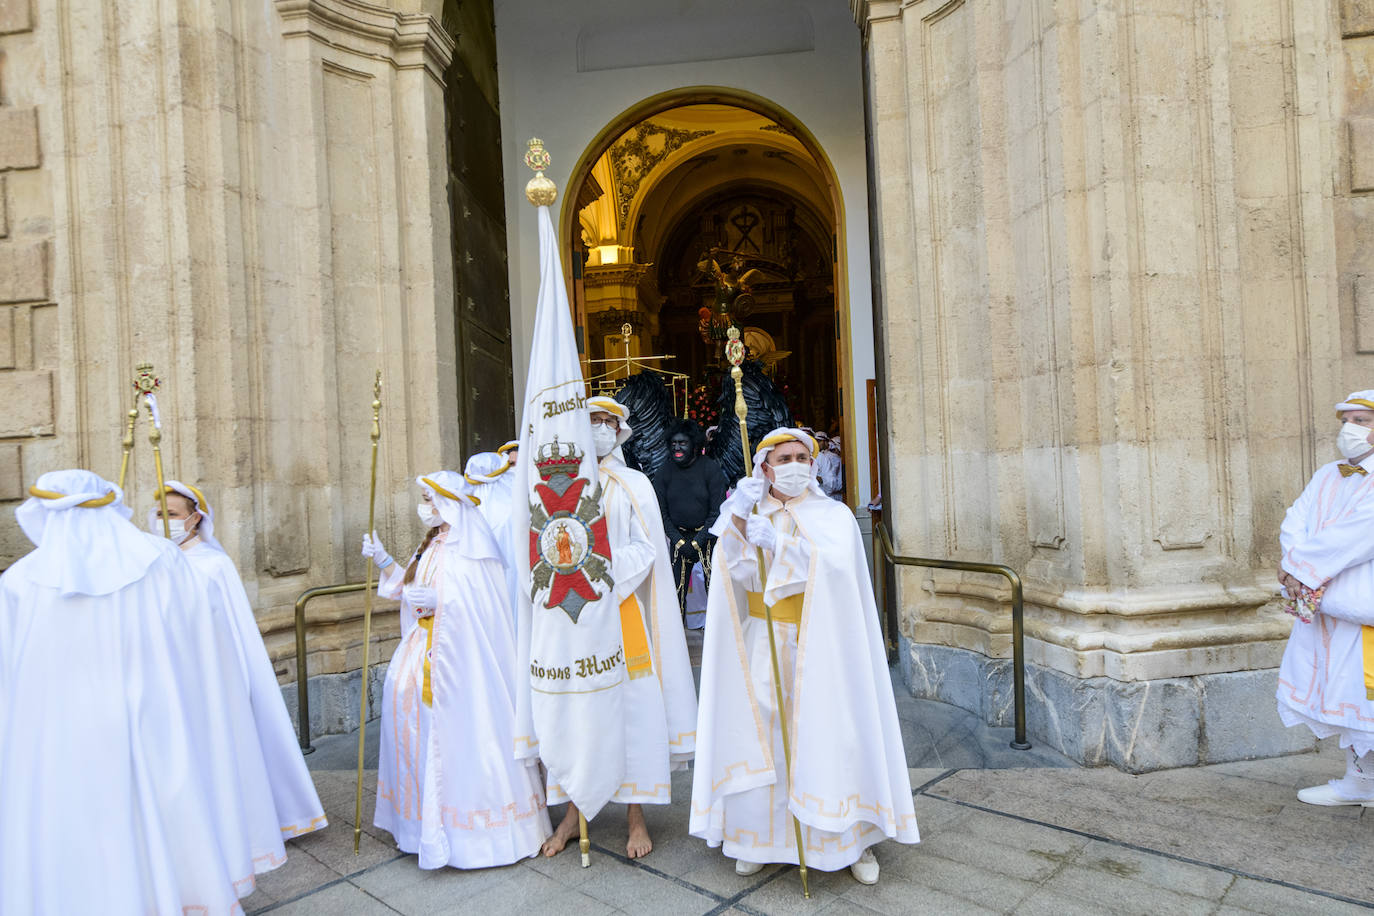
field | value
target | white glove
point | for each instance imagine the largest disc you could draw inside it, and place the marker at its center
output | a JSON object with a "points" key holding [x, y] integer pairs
{"points": [[759, 532], [372, 547], [744, 497], [420, 597]]}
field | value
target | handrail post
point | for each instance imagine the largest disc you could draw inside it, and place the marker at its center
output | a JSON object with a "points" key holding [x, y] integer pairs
{"points": [[1018, 635], [302, 676]]}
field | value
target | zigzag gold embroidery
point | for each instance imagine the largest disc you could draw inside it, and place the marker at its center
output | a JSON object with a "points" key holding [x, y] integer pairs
{"points": [[297, 830], [452, 817]]}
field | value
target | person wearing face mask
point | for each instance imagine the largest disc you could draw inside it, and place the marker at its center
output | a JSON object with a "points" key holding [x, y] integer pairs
{"points": [[848, 786], [448, 786], [1326, 678], [295, 803], [660, 696], [131, 778], [690, 489]]}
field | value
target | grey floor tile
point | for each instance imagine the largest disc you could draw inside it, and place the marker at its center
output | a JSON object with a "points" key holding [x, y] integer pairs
{"points": [[1276, 900], [301, 874], [1103, 887], [410, 889], [342, 899], [625, 887]]}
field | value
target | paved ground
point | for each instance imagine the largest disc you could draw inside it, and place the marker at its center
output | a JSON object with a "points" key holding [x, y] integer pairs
{"points": [[1002, 831]]}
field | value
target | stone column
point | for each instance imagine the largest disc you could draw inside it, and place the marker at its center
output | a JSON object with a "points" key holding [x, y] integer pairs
{"points": [[1108, 266]]}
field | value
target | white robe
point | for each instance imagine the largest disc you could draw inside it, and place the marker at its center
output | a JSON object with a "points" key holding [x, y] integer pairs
{"points": [[660, 710], [294, 802], [126, 745], [448, 785], [1326, 540], [849, 784]]}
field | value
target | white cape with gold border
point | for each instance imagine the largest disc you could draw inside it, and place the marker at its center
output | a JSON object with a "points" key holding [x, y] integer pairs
{"points": [[849, 784], [448, 785], [294, 799]]}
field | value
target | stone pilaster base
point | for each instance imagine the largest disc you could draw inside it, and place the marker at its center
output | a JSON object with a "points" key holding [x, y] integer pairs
{"points": [[335, 699], [1136, 726]]}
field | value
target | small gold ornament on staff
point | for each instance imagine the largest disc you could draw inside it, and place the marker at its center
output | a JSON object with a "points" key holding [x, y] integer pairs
{"points": [[734, 352], [145, 383], [367, 611]]}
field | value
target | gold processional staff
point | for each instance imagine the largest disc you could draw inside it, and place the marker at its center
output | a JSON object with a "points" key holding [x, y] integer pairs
{"points": [[734, 352], [367, 610], [145, 383]]}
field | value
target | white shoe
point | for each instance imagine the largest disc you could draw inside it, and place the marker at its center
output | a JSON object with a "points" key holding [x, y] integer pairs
{"points": [[1331, 796], [865, 871], [745, 869]]}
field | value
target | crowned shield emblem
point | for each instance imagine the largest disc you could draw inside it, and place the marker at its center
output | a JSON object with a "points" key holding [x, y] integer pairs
{"points": [[569, 549]]}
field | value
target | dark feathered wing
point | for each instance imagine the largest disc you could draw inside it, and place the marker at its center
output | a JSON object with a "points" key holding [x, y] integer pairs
{"points": [[767, 411], [651, 410]]}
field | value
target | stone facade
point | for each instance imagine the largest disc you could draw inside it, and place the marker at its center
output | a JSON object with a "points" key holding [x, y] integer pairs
{"points": [[1122, 247], [253, 198], [1121, 269]]}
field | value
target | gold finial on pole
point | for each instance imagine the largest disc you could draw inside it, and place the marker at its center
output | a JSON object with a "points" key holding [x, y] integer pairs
{"points": [[539, 190], [376, 436], [734, 352], [145, 383]]}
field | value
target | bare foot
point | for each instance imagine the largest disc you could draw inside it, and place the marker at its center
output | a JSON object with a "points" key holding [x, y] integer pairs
{"points": [[639, 844], [567, 829]]}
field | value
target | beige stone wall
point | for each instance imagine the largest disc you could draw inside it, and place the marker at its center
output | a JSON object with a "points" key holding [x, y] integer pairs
{"points": [[1123, 247], [247, 196]]}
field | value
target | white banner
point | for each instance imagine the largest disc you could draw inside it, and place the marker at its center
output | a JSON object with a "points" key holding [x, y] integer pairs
{"points": [[569, 709]]}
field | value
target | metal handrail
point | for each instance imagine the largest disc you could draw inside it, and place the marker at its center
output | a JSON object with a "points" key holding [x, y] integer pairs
{"points": [[1018, 649], [302, 680]]}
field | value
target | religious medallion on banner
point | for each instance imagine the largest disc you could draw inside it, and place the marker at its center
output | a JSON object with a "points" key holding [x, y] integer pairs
{"points": [[569, 548]]}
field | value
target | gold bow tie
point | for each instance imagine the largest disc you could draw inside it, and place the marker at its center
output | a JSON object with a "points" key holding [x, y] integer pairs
{"points": [[1348, 469]]}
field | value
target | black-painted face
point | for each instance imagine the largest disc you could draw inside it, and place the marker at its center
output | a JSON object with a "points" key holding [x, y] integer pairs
{"points": [[680, 446]]}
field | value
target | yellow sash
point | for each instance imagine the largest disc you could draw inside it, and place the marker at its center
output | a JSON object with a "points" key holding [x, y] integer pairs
{"points": [[426, 691], [634, 639], [787, 610], [1367, 637]]}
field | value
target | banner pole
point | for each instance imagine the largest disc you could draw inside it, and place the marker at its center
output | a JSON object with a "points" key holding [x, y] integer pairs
{"points": [[367, 613]]}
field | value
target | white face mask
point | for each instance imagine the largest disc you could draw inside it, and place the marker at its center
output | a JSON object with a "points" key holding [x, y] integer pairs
{"points": [[603, 437], [428, 515], [791, 479], [1353, 440], [176, 528]]}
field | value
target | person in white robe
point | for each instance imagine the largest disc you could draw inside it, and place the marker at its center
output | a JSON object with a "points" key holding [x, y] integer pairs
{"points": [[848, 784], [830, 467], [448, 784], [127, 740], [294, 802], [487, 474], [660, 696], [1326, 678]]}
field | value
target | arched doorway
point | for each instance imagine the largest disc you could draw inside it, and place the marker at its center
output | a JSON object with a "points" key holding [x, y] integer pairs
{"points": [[710, 174]]}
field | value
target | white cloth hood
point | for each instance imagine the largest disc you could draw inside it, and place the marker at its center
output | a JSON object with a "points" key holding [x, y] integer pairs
{"points": [[206, 529], [779, 436], [468, 532], [1358, 400], [82, 549], [485, 467]]}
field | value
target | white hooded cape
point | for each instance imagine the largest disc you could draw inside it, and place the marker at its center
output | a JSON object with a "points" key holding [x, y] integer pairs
{"points": [[849, 784], [126, 736], [294, 801], [448, 787], [1325, 538]]}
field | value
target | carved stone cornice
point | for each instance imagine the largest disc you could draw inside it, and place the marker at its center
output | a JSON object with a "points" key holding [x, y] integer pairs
{"points": [[613, 275], [408, 41]]}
